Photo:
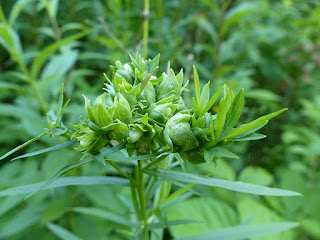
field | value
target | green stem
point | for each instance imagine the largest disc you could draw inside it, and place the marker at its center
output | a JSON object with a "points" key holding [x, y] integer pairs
{"points": [[145, 15], [31, 81], [134, 198], [143, 207], [115, 166], [159, 159]]}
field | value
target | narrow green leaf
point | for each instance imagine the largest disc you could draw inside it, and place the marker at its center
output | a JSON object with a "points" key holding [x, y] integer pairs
{"points": [[249, 126], [53, 148], [100, 159], [23, 145], [184, 186], [60, 100], [221, 117], [65, 181], [234, 113], [61, 232], [172, 223], [244, 232], [204, 94], [253, 136], [112, 217], [129, 159], [146, 80], [197, 84], [222, 152], [16, 9], [75, 165], [170, 175], [211, 102], [46, 53], [2, 17]]}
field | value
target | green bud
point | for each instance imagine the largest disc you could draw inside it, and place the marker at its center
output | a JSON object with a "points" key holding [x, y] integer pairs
{"points": [[200, 135], [89, 141], [161, 113], [180, 133], [122, 110], [170, 86], [149, 93], [144, 144], [181, 105], [125, 71], [117, 131], [101, 115], [134, 135]]}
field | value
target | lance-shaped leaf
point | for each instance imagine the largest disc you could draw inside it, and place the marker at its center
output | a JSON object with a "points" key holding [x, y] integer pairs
{"points": [[169, 175], [23, 145], [75, 165], [61, 232], [63, 182], [112, 217], [234, 113], [243, 232], [53, 148], [252, 125]]}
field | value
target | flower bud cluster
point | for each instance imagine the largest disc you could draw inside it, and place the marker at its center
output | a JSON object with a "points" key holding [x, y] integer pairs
{"points": [[147, 112]]}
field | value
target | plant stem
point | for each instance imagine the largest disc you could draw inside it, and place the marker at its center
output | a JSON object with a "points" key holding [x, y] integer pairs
{"points": [[145, 16], [115, 166], [143, 207]]}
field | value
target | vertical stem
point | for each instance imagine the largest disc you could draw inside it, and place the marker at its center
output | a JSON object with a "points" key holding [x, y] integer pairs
{"points": [[145, 16], [143, 207], [224, 8]]}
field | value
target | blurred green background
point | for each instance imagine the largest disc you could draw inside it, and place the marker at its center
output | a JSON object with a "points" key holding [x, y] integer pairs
{"points": [[269, 48]]}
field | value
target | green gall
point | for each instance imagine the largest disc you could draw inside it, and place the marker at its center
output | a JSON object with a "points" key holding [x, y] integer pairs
{"points": [[180, 133]]}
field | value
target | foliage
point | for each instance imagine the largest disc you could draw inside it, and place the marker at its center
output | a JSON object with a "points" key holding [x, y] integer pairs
{"points": [[269, 48]]}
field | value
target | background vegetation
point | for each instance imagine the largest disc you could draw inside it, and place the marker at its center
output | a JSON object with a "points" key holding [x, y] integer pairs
{"points": [[269, 48]]}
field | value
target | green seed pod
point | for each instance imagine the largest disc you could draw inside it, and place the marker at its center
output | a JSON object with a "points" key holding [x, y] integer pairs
{"points": [[179, 131]]}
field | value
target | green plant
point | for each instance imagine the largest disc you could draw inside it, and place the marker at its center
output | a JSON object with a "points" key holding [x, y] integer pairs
{"points": [[141, 127]]}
